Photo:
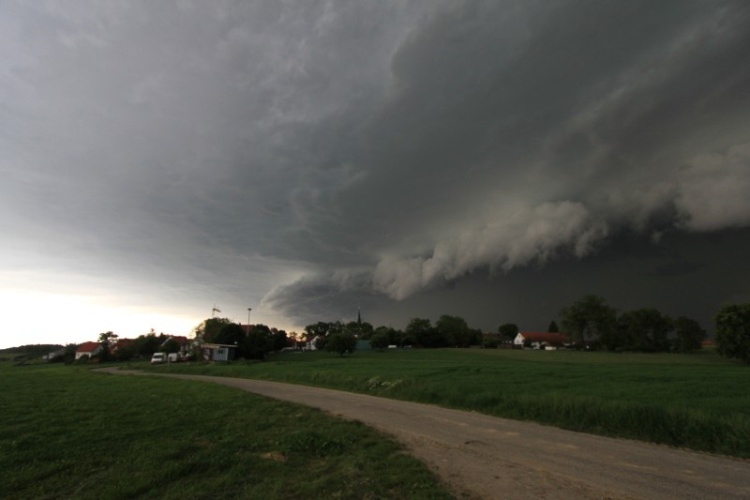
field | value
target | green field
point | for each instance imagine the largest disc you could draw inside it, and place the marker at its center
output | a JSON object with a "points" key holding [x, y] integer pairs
{"points": [[67, 432], [698, 401]]}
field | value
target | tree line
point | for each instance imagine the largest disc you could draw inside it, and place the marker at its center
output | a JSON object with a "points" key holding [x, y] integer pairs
{"points": [[589, 323], [592, 323]]}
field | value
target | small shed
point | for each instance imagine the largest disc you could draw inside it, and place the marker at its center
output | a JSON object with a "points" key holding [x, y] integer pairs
{"points": [[218, 352]]}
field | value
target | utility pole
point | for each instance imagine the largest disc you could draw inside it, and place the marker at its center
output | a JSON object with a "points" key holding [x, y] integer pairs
{"points": [[248, 319]]}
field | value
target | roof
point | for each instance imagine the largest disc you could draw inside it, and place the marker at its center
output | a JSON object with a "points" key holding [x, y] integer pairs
{"points": [[88, 347], [545, 336]]}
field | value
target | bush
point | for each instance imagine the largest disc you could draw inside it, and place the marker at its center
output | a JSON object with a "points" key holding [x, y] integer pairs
{"points": [[379, 341], [733, 332], [491, 344], [341, 343]]}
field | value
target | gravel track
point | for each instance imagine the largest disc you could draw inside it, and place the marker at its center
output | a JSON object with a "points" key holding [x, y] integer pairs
{"points": [[480, 456]]}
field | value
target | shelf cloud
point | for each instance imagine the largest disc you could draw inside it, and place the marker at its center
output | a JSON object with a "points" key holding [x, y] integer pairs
{"points": [[307, 158]]}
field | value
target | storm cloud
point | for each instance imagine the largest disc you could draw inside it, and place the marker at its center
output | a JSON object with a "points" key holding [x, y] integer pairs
{"points": [[306, 158]]}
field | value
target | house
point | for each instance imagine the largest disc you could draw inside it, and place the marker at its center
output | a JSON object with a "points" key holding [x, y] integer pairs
{"points": [[218, 352], [541, 340], [89, 349], [309, 344], [60, 353]]}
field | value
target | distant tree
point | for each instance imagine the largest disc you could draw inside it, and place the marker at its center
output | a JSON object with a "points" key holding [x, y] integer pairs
{"points": [[320, 343], [454, 330], [365, 330], [230, 334], [280, 339], [70, 353], [379, 341], [475, 336], [319, 329], [508, 331], [426, 335], [258, 343], [148, 344], [209, 329], [403, 338], [553, 328], [733, 332], [169, 345], [491, 343], [125, 352], [588, 318], [689, 334], [341, 343], [106, 341], [361, 330], [643, 330]]}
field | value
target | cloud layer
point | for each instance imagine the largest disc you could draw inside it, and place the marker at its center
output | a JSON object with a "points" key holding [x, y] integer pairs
{"points": [[311, 156]]}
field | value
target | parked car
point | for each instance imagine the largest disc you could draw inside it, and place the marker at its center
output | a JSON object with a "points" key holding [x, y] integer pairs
{"points": [[158, 358]]}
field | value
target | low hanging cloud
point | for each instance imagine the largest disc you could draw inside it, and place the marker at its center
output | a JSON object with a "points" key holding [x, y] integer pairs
{"points": [[529, 235], [714, 191], [499, 148], [311, 155]]}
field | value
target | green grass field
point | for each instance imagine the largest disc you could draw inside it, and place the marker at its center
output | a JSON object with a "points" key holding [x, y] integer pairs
{"points": [[697, 401], [67, 432]]}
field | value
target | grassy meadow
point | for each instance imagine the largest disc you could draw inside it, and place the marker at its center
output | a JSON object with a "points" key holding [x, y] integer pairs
{"points": [[698, 401], [67, 432]]}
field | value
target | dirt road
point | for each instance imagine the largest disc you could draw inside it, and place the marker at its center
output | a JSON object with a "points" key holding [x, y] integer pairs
{"points": [[480, 456]]}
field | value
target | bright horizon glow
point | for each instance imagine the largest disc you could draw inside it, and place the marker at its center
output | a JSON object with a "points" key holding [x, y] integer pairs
{"points": [[55, 318]]}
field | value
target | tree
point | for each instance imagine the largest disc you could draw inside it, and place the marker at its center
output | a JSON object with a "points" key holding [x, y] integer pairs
{"points": [[379, 341], [426, 335], [70, 353], [454, 330], [689, 333], [319, 329], [258, 343], [210, 328], [360, 329], [588, 318], [280, 339], [508, 331], [733, 332], [230, 334], [642, 330], [106, 340], [341, 343], [146, 345], [169, 345], [553, 328]]}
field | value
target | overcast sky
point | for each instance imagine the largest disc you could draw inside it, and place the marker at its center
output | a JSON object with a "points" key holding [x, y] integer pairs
{"points": [[493, 160]]}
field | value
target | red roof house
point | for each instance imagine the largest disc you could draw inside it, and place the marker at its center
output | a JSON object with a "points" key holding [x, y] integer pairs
{"points": [[89, 349]]}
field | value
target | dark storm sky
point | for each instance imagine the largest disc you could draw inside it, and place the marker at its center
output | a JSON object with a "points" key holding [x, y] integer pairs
{"points": [[495, 160]]}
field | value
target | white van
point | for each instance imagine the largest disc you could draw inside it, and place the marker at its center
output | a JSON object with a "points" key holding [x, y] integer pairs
{"points": [[158, 358]]}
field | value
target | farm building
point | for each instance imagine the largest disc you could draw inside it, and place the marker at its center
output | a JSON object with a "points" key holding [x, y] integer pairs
{"points": [[541, 340], [89, 349]]}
